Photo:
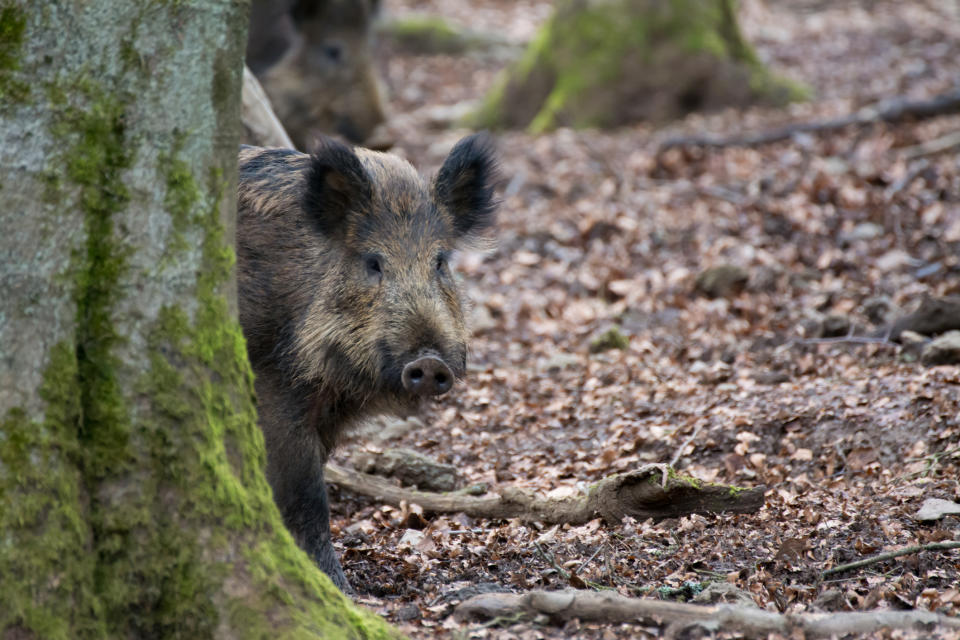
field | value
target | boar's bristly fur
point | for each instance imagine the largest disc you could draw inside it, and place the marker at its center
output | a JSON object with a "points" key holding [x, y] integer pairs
{"points": [[465, 184], [347, 300]]}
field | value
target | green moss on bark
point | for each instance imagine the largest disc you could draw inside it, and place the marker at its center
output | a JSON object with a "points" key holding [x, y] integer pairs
{"points": [[95, 163], [147, 561], [44, 514], [215, 414], [13, 25], [182, 193]]}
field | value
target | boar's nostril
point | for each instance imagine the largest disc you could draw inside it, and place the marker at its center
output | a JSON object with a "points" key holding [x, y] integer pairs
{"points": [[427, 376]]}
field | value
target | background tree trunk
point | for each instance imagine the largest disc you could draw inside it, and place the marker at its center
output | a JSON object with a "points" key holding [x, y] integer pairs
{"points": [[610, 62], [131, 466]]}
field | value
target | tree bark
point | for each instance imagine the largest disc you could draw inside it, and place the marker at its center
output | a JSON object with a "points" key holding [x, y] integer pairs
{"points": [[131, 466], [611, 62]]}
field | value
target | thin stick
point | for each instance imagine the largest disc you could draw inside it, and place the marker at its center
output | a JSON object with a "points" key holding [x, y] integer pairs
{"points": [[843, 340], [938, 145], [907, 179], [933, 546], [590, 559], [888, 111], [676, 456], [549, 557]]}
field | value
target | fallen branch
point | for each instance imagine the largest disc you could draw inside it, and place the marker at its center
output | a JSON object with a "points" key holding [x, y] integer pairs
{"points": [[889, 555], [935, 315], [653, 491], [262, 126], [948, 142], [843, 340], [888, 111], [613, 608]]}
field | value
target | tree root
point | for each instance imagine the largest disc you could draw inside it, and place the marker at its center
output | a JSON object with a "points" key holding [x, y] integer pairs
{"points": [[611, 607], [893, 110], [653, 491]]}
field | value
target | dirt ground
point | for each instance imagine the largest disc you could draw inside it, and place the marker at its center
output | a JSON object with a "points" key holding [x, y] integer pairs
{"points": [[835, 233]]}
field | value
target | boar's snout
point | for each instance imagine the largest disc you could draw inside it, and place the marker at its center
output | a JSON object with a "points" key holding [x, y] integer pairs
{"points": [[427, 376]]}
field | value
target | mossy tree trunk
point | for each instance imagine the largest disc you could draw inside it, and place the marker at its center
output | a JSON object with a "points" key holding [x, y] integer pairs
{"points": [[132, 496], [610, 62]]}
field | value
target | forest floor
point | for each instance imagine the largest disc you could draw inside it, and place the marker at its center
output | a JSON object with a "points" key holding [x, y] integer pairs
{"points": [[835, 233]]}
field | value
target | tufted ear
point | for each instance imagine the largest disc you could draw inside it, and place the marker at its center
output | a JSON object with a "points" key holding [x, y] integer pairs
{"points": [[336, 186], [302, 10], [464, 185], [337, 13]]}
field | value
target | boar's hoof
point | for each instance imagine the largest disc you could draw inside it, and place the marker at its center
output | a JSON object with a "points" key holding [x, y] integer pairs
{"points": [[427, 376]]}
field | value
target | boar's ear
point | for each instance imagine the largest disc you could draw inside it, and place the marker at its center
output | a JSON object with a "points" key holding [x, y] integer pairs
{"points": [[303, 10], [464, 185], [336, 186]]}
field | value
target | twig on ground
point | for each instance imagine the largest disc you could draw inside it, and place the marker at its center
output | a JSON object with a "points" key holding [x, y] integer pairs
{"points": [[935, 456], [620, 182], [723, 193], [551, 560], [930, 147], [912, 174], [799, 174], [652, 491], [931, 462], [888, 111], [933, 546], [844, 340], [676, 456], [590, 559], [610, 607]]}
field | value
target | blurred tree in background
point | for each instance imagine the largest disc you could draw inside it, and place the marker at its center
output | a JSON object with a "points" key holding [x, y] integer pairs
{"points": [[609, 62]]}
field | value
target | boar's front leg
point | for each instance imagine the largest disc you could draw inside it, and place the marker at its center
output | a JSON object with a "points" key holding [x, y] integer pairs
{"points": [[306, 512], [295, 459]]}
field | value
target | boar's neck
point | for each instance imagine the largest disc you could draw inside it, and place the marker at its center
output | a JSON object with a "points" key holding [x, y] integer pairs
{"points": [[329, 415]]}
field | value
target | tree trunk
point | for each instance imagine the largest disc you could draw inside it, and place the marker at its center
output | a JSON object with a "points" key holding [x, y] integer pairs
{"points": [[132, 496], [610, 62]]}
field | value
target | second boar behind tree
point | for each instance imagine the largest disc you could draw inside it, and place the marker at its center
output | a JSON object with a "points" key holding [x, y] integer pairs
{"points": [[347, 300], [314, 59]]}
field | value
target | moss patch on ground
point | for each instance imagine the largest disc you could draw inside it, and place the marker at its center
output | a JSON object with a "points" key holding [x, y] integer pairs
{"points": [[431, 35]]}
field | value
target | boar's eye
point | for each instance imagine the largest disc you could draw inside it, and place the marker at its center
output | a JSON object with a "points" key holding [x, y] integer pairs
{"points": [[441, 263], [373, 267], [333, 52]]}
